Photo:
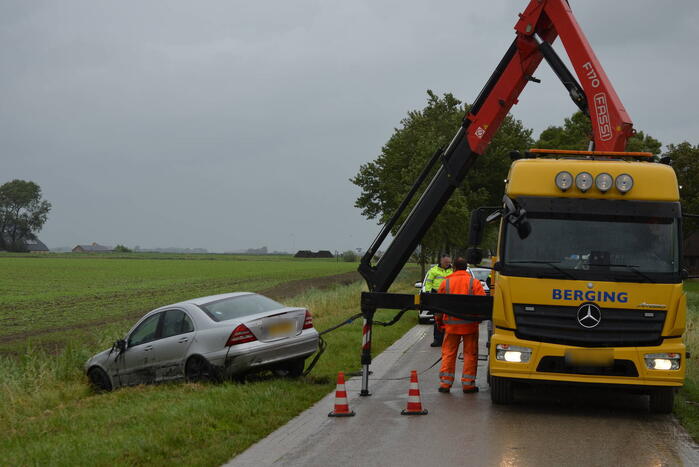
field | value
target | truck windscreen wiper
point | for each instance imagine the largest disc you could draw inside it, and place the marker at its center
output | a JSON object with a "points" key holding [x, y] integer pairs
{"points": [[630, 267], [548, 263]]}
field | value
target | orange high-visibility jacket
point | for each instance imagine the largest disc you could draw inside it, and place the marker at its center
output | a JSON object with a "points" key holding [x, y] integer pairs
{"points": [[459, 282]]}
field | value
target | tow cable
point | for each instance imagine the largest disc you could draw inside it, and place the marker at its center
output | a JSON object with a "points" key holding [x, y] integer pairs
{"points": [[322, 345]]}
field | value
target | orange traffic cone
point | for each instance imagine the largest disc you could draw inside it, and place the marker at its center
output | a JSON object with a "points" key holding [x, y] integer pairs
{"points": [[341, 405], [414, 404]]}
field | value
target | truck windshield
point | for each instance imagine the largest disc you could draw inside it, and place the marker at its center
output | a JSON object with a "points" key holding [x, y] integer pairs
{"points": [[622, 249]]}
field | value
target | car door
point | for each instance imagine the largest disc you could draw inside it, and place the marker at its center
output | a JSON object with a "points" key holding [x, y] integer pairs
{"points": [[136, 362], [176, 335]]}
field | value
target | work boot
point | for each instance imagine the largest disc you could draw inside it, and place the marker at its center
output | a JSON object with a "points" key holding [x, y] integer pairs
{"points": [[436, 344], [444, 390], [471, 390]]}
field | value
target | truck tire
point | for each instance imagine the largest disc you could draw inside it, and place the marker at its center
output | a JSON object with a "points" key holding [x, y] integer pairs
{"points": [[662, 400], [502, 391]]}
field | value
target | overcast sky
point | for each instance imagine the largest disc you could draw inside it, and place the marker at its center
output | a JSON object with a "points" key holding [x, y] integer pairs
{"points": [[237, 124]]}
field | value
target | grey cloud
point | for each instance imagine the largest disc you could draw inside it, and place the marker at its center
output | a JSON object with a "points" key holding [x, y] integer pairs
{"points": [[237, 124]]}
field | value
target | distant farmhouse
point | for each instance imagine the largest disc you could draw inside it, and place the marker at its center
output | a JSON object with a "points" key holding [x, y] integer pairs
{"points": [[31, 245], [94, 248], [311, 254]]}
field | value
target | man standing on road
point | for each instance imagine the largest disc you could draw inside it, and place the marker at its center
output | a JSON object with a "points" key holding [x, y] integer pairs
{"points": [[456, 329], [434, 278]]}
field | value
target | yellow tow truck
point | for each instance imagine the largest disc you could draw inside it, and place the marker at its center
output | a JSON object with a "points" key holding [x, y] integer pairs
{"points": [[588, 275], [588, 280]]}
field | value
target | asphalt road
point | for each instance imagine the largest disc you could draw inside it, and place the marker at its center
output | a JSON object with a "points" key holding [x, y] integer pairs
{"points": [[547, 426]]}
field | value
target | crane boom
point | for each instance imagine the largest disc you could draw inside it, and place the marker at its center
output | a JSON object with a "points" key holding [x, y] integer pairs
{"points": [[537, 28]]}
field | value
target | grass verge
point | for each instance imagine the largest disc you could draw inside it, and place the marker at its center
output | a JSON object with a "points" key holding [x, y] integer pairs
{"points": [[50, 416], [687, 404]]}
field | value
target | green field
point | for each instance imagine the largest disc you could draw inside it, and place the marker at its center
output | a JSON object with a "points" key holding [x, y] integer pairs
{"points": [[48, 412], [49, 299]]}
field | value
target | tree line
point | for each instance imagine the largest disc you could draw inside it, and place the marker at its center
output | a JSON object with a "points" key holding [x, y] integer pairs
{"points": [[385, 181]]}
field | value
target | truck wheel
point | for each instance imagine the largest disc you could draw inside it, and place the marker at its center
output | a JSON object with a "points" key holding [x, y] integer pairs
{"points": [[501, 390], [662, 400]]}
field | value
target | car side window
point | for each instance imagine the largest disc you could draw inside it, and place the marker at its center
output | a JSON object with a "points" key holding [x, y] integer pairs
{"points": [[146, 331], [187, 325], [176, 322]]}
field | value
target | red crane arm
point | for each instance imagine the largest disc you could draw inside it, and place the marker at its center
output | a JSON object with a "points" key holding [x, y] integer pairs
{"points": [[539, 25], [541, 22]]}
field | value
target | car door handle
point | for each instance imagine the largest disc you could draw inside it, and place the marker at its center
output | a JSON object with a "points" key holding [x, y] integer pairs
{"points": [[184, 339], [146, 349]]}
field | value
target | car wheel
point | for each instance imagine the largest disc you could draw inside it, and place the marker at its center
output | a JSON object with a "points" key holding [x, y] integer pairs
{"points": [[99, 379], [198, 369], [662, 400], [501, 390]]}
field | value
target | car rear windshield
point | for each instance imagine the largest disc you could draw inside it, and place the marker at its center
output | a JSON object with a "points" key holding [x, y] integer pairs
{"points": [[240, 306]]}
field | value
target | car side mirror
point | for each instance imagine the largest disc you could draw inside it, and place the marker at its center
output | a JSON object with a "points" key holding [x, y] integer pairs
{"points": [[418, 285], [120, 345], [684, 274]]}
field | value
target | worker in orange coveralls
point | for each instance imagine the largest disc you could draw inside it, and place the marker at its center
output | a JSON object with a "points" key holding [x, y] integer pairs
{"points": [[456, 329]]}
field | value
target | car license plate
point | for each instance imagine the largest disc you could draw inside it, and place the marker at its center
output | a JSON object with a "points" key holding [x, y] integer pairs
{"points": [[280, 329], [602, 358]]}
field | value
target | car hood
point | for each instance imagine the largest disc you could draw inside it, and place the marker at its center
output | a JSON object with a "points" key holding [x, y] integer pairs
{"points": [[100, 358]]}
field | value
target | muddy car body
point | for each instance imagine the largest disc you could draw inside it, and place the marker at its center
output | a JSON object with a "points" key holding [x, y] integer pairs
{"points": [[208, 338]]}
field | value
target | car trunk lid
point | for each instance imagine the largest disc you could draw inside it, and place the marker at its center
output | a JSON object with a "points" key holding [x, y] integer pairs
{"points": [[276, 325]]}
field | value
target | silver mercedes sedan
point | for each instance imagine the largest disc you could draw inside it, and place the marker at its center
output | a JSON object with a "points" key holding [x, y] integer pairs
{"points": [[208, 338]]}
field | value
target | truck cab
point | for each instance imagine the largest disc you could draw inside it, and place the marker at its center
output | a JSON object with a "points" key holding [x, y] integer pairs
{"points": [[588, 277]]}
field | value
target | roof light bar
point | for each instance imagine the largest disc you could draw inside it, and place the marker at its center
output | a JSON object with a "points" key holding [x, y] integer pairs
{"points": [[585, 180]]}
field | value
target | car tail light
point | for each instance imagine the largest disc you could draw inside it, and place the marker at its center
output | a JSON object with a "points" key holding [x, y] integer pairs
{"points": [[240, 335], [308, 321]]}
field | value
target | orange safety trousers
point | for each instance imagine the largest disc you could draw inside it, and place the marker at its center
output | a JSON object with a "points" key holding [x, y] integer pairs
{"points": [[450, 349]]}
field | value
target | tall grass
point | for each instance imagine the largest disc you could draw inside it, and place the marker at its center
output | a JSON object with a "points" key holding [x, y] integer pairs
{"points": [[687, 405], [50, 415]]}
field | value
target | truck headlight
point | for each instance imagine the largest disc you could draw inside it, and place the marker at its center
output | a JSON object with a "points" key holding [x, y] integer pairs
{"points": [[604, 182], [663, 361], [624, 183], [512, 353], [583, 181], [564, 180]]}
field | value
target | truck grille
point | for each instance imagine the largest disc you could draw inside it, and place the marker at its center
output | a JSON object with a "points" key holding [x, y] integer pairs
{"points": [[618, 327], [558, 365]]}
